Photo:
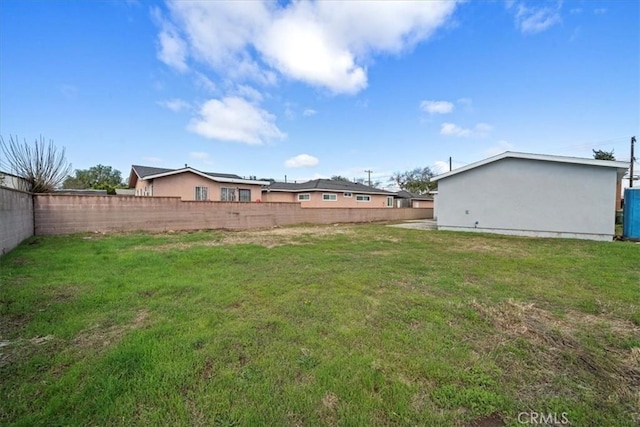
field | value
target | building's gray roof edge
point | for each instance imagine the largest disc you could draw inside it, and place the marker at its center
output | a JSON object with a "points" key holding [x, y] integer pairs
{"points": [[532, 156]]}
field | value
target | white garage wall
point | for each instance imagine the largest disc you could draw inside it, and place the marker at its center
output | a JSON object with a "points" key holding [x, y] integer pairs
{"points": [[530, 197]]}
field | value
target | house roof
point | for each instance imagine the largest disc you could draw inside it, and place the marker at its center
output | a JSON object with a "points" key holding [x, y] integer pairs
{"points": [[325, 185], [148, 172], [621, 166], [408, 195], [143, 171]]}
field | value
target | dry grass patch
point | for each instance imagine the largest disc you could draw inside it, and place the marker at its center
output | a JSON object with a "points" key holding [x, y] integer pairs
{"points": [[14, 350], [508, 248], [269, 238], [99, 337], [561, 346], [329, 408]]}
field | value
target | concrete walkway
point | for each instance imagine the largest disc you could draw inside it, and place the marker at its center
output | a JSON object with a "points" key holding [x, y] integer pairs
{"points": [[417, 224]]}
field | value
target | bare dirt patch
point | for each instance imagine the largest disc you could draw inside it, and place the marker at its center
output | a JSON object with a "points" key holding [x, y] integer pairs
{"points": [[493, 420]]}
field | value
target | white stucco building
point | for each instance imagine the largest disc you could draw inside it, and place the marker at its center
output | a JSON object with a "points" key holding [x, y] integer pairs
{"points": [[531, 195]]}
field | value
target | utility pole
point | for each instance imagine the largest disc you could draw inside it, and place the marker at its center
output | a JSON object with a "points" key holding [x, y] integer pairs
{"points": [[633, 159], [450, 164], [369, 172]]}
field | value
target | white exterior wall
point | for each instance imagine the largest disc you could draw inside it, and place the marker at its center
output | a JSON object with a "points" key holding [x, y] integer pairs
{"points": [[530, 198]]}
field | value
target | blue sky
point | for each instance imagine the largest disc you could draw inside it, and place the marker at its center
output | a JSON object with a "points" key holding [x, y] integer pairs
{"points": [[309, 90]]}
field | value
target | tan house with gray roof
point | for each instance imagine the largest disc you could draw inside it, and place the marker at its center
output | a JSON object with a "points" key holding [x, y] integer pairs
{"points": [[326, 193], [191, 184]]}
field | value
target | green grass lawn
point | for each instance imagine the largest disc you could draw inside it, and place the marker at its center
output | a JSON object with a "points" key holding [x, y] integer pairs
{"points": [[339, 325]]}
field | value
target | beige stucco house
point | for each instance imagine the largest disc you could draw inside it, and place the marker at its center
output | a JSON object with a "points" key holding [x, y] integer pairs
{"points": [[325, 193], [191, 184]]}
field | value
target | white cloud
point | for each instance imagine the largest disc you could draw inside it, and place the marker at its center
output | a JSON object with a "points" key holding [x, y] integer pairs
{"points": [[172, 49], [234, 119], [302, 161], [451, 129], [499, 148], [204, 82], [199, 155], [482, 129], [176, 105], [324, 44], [289, 111], [534, 19], [249, 93], [309, 112], [437, 107], [301, 47], [600, 11], [465, 102]]}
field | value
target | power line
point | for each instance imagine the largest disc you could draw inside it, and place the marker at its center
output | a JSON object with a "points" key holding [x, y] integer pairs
{"points": [[618, 141]]}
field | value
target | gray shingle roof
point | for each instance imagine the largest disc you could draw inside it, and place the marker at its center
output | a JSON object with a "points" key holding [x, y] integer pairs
{"points": [[327, 185], [143, 171], [223, 175]]}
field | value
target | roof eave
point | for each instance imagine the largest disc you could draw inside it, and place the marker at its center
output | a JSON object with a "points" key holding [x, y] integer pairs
{"points": [[209, 177], [309, 190], [542, 157]]}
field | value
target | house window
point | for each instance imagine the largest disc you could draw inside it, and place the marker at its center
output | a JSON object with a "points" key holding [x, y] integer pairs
{"points": [[227, 194], [347, 195], [389, 202], [202, 193], [363, 198], [304, 197], [244, 195], [329, 197]]}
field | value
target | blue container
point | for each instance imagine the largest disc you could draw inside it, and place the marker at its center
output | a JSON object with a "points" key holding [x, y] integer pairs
{"points": [[631, 214]]}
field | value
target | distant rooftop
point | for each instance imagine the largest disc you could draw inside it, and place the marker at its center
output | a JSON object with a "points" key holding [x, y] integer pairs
{"points": [[326, 185]]}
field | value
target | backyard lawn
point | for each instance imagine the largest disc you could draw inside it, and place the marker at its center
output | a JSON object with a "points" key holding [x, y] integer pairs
{"points": [[327, 325]]}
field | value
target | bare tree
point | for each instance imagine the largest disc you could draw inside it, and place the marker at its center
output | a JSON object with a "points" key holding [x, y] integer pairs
{"points": [[41, 164]]}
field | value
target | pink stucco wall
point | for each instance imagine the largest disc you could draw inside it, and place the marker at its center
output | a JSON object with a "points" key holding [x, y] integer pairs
{"points": [[64, 214]]}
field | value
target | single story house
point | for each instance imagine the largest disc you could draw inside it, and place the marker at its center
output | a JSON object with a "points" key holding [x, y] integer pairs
{"points": [[326, 193], [406, 199], [532, 195], [192, 184]]}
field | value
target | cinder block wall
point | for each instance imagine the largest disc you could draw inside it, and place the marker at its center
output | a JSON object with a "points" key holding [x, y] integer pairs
{"points": [[64, 214], [16, 218]]}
